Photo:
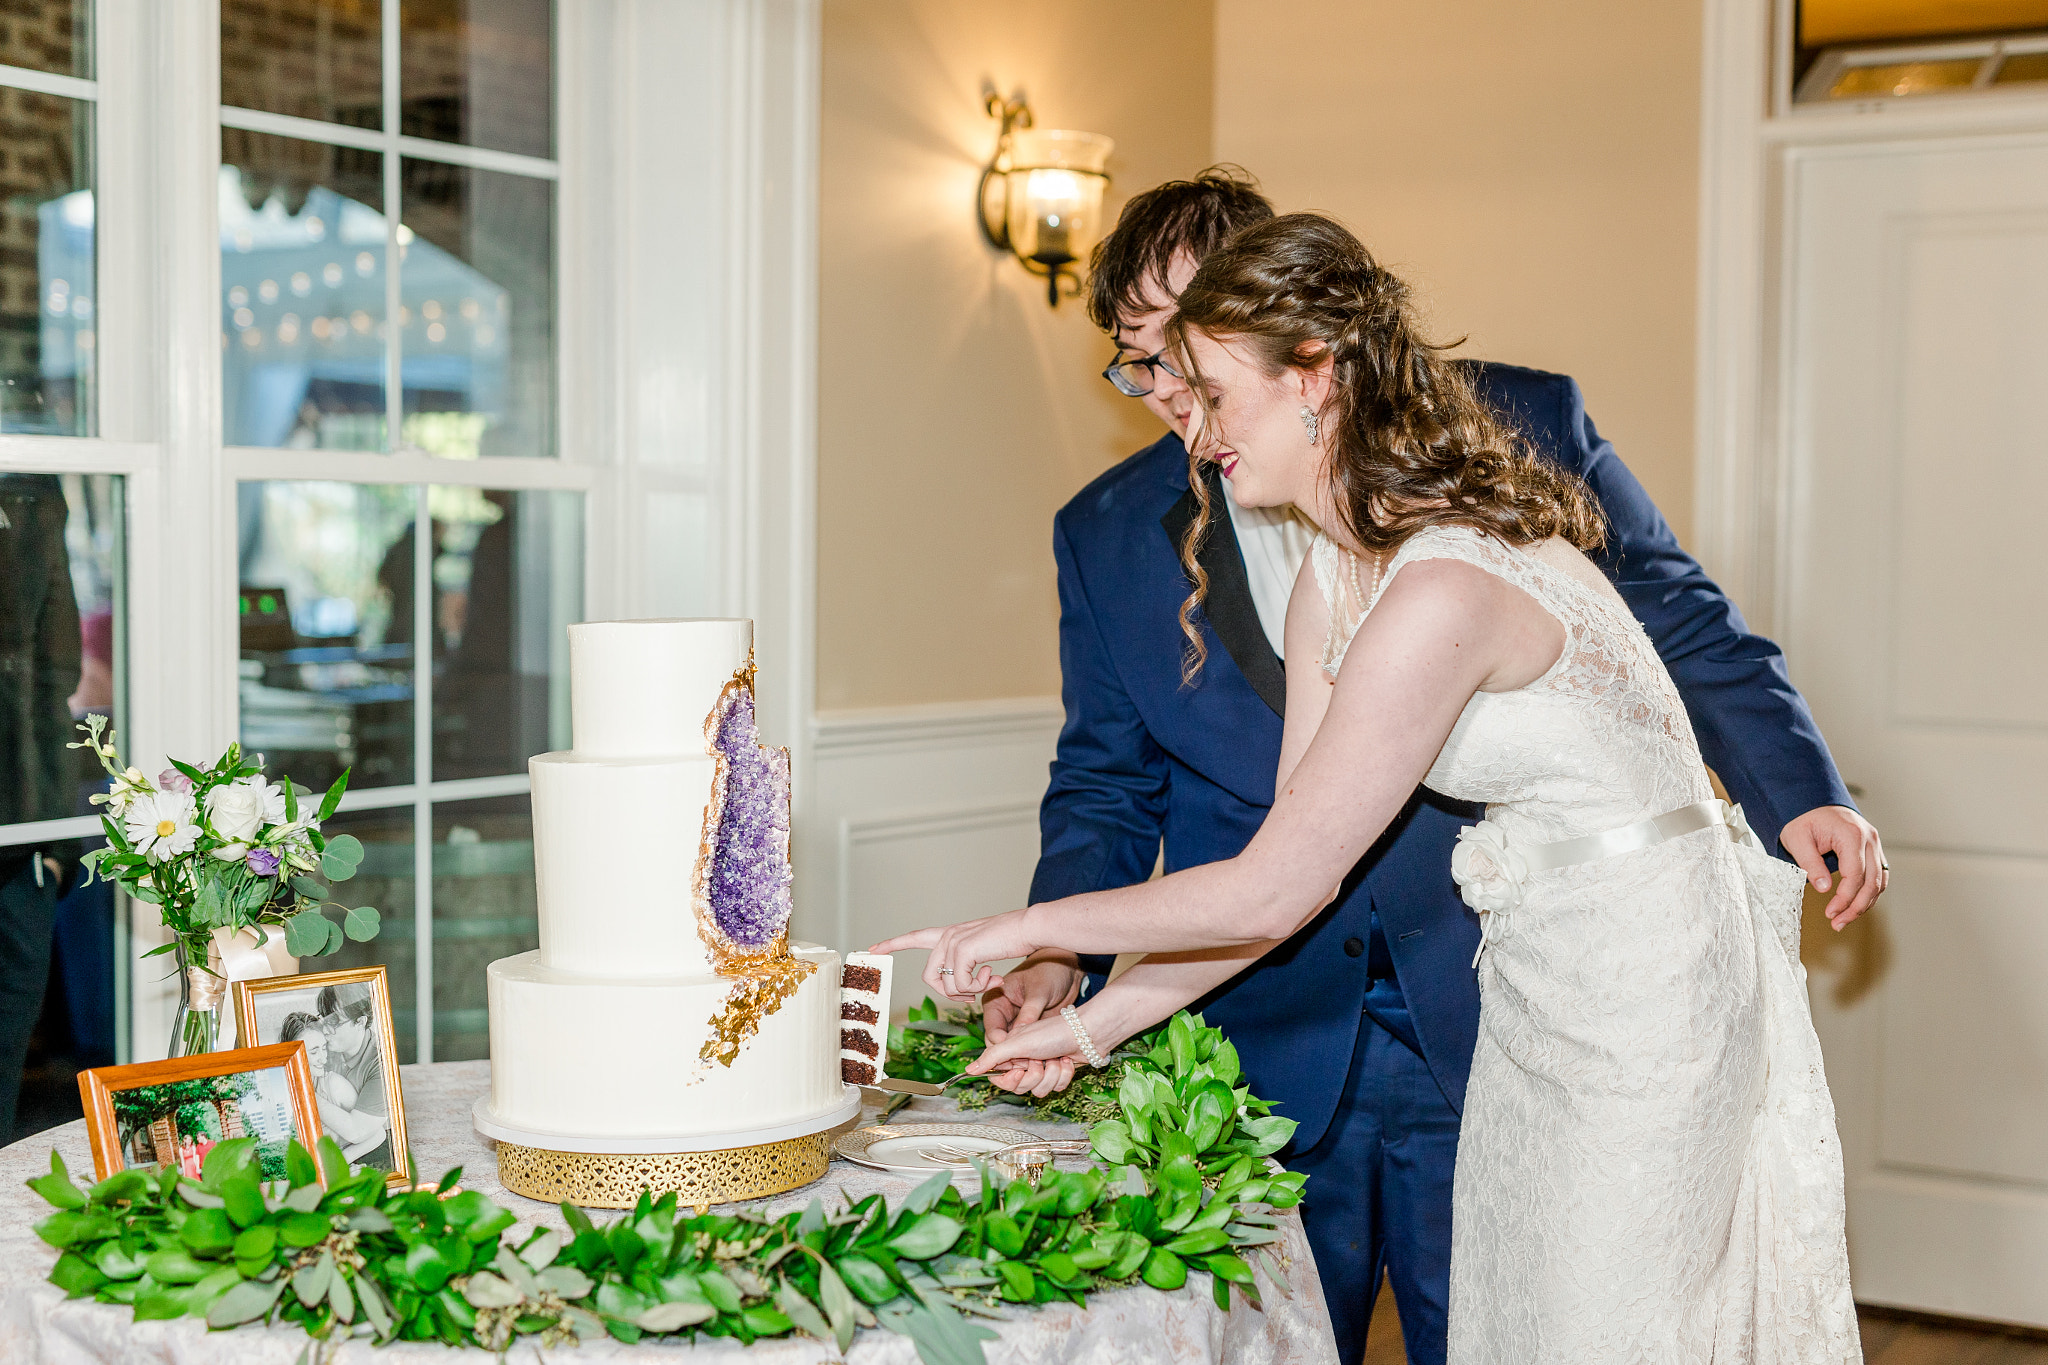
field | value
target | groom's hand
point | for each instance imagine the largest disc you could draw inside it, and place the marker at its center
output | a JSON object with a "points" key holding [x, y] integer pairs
{"points": [[1034, 988], [1859, 858]]}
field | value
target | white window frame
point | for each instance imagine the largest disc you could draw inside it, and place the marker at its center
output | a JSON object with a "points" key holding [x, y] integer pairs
{"points": [[686, 325]]}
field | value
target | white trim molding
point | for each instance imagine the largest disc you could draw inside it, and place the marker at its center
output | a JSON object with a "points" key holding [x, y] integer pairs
{"points": [[920, 814]]}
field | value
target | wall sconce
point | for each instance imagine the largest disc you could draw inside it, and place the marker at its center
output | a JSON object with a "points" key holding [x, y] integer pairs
{"points": [[1040, 196]]}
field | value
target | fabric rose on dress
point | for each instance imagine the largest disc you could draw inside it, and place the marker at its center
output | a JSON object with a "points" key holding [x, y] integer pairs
{"points": [[162, 824], [1488, 869], [239, 810]]}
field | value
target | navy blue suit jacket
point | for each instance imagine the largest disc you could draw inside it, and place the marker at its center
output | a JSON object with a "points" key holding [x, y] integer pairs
{"points": [[1143, 759]]}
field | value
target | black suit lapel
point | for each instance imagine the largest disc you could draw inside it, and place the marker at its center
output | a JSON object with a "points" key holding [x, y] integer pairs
{"points": [[1229, 607]]}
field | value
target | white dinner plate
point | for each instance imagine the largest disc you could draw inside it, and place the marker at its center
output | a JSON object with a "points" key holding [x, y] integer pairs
{"points": [[897, 1146]]}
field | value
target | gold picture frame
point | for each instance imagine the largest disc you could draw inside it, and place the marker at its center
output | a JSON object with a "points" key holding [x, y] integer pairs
{"points": [[354, 1075], [276, 1105]]}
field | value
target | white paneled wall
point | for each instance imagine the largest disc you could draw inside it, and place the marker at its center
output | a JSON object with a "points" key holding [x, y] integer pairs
{"points": [[919, 815]]}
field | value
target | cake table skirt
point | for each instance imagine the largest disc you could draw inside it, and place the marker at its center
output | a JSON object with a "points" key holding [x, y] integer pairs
{"points": [[703, 1169]]}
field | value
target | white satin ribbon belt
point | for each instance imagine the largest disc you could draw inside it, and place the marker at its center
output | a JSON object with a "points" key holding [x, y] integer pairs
{"points": [[1492, 868]]}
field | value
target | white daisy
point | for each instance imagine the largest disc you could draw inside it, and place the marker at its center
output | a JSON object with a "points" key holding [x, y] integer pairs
{"points": [[162, 824]]}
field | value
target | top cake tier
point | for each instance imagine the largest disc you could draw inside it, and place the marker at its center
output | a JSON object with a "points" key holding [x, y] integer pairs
{"points": [[641, 689]]}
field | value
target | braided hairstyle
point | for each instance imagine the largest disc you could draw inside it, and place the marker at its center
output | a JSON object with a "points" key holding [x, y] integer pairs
{"points": [[1411, 445]]}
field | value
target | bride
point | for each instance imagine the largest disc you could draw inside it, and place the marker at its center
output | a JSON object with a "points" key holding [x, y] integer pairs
{"points": [[1648, 1167]]}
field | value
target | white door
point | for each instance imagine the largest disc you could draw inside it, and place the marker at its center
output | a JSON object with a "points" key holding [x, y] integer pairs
{"points": [[1916, 618]]}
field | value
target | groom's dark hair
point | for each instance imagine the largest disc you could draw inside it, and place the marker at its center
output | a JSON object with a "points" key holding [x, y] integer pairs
{"points": [[1195, 216]]}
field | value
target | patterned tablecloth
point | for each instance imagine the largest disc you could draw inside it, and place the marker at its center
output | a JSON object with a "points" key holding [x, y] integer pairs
{"points": [[1125, 1327]]}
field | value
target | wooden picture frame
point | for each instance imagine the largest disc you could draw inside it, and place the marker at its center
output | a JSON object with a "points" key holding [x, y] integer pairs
{"points": [[114, 1150], [354, 1082]]}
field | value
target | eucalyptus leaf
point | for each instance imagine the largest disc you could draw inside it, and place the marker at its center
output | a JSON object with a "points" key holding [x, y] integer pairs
{"points": [[486, 1290], [802, 1311], [361, 923], [310, 1282], [242, 1303], [673, 1317]]}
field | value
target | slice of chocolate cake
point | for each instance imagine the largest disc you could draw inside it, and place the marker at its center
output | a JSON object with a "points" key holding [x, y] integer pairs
{"points": [[863, 1017]]}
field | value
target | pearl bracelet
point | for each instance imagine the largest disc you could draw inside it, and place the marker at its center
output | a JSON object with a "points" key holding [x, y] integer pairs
{"points": [[1073, 1018]]}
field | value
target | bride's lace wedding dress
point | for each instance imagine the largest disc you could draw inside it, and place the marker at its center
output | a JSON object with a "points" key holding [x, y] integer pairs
{"points": [[1648, 1168]]}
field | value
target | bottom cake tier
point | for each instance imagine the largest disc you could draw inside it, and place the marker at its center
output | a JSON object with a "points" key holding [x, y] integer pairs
{"points": [[585, 1056]]}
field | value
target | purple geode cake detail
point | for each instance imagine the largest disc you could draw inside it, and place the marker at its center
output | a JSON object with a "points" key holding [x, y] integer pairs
{"points": [[743, 872], [742, 877]]}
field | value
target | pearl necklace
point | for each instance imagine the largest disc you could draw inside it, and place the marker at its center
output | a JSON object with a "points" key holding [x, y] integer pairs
{"points": [[1365, 602]]}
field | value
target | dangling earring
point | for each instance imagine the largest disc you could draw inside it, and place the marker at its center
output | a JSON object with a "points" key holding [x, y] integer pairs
{"points": [[1311, 422]]}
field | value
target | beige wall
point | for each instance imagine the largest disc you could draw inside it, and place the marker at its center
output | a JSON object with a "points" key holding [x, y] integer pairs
{"points": [[1532, 168], [956, 412]]}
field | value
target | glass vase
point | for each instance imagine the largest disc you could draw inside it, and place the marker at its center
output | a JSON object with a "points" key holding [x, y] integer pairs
{"points": [[204, 1022]]}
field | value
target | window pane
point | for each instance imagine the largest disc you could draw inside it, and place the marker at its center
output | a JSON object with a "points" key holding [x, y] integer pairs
{"points": [[302, 261], [46, 309], [508, 580], [61, 542], [327, 629], [479, 72], [484, 909], [478, 317], [317, 59], [383, 879], [48, 35]]}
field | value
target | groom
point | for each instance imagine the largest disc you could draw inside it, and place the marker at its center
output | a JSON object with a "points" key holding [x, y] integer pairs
{"points": [[1360, 1027]]}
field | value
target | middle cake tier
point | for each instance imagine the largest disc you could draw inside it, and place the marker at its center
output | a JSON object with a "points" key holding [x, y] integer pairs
{"points": [[614, 844], [620, 1056]]}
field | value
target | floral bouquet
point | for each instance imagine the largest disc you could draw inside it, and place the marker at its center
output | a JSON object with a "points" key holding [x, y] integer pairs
{"points": [[222, 848]]}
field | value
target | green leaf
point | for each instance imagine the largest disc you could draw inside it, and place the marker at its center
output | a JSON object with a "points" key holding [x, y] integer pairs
{"points": [[1001, 1231], [340, 1298], [1060, 1268], [427, 1266], [256, 1243], [1180, 1040], [118, 1264], [304, 1199], [361, 923], [310, 1282], [723, 1293], [207, 1232], [541, 1249], [450, 1179], [565, 1280], [298, 1165], [1197, 1242], [332, 800], [121, 1185], [925, 1196], [867, 1279], [1019, 1286], [160, 1303], [1268, 1134], [1164, 1270], [368, 1219], [305, 1229], [673, 1317], [76, 1276], [242, 1199], [627, 1246], [838, 1303], [244, 1302], [57, 1187], [617, 1300], [924, 1237], [174, 1265], [1228, 1267], [305, 934], [486, 1290], [802, 1313], [333, 1163], [291, 801], [311, 887], [344, 848], [1111, 1140]]}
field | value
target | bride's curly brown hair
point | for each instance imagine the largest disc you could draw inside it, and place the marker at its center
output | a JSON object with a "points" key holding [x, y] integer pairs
{"points": [[1411, 445]]}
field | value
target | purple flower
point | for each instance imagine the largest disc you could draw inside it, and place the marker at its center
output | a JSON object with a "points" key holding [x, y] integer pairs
{"points": [[263, 862], [171, 780]]}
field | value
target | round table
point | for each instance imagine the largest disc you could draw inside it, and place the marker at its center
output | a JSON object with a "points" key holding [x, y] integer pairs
{"points": [[1121, 1327]]}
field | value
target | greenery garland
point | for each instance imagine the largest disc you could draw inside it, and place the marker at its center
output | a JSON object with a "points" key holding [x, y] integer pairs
{"points": [[937, 1046], [1187, 1189]]}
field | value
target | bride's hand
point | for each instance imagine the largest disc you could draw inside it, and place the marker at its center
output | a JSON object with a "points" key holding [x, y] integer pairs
{"points": [[958, 967], [1040, 1078]]}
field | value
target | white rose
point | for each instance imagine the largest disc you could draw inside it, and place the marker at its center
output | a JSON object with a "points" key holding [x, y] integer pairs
{"points": [[235, 811], [1488, 869]]}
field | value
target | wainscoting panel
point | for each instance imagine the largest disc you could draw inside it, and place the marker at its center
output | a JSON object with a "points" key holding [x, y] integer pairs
{"points": [[919, 815]]}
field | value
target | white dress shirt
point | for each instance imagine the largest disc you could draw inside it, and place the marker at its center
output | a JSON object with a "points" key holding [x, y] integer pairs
{"points": [[1274, 541]]}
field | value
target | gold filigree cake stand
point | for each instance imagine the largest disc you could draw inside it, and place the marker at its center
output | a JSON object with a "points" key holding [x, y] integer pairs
{"points": [[703, 1169]]}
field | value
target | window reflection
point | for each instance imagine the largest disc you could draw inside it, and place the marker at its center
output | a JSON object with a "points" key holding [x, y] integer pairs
{"points": [[508, 580], [326, 629], [478, 320], [316, 59], [484, 909], [383, 879], [48, 297], [479, 72], [48, 35], [302, 242]]}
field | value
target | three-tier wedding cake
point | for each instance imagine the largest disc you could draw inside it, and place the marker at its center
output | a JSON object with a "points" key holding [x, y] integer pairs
{"points": [[665, 1012]]}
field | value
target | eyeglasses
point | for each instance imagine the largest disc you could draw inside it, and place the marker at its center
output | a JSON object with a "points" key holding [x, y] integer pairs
{"points": [[1133, 378]]}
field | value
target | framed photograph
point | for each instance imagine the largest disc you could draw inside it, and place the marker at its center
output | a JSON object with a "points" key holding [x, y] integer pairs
{"points": [[344, 1020], [157, 1114]]}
